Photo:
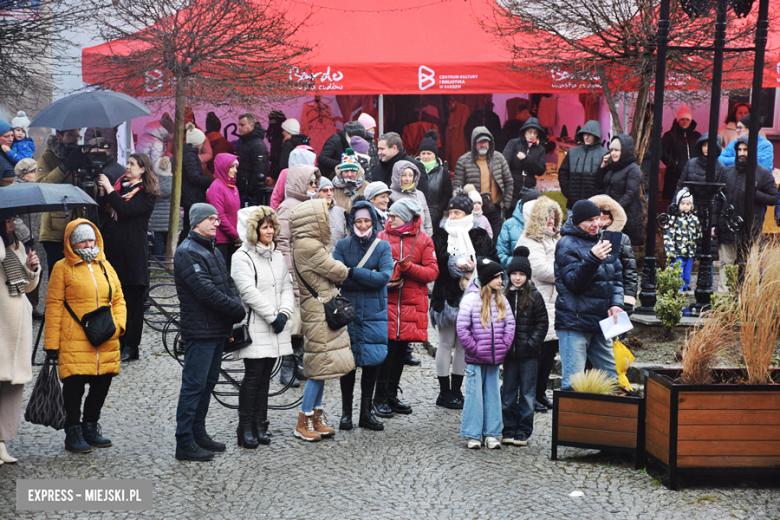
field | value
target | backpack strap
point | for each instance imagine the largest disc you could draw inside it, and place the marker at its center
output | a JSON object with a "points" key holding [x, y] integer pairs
{"points": [[369, 252]]}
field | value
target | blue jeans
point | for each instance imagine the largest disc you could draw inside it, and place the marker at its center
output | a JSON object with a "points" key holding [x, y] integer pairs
{"points": [[576, 347], [202, 361], [160, 237], [687, 264], [312, 395], [518, 395], [482, 406]]}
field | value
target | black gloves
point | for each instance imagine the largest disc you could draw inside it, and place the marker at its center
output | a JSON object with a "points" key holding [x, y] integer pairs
{"points": [[279, 323], [74, 160], [52, 354], [349, 272]]}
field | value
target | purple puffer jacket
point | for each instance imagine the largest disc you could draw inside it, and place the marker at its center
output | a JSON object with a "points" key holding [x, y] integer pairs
{"points": [[483, 346]]}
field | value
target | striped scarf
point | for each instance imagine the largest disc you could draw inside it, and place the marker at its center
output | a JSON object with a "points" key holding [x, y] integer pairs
{"points": [[14, 272]]}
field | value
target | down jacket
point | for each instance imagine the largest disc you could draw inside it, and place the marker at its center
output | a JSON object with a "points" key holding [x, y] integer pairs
{"points": [[696, 168], [208, 298], [510, 234], [766, 153], [677, 148], [223, 195], [265, 286], [152, 141], [531, 325], [366, 289], [439, 190], [407, 305], [541, 246], [16, 327], [622, 180], [467, 171], [483, 346], [626, 256], [158, 222], [525, 172], [76, 282], [397, 193], [330, 156], [587, 287], [253, 162], [577, 173], [327, 353], [193, 181], [296, 185]]}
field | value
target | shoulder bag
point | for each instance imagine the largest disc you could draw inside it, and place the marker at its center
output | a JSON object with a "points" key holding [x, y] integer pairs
{"points": [[98, 325], [239, 336]]}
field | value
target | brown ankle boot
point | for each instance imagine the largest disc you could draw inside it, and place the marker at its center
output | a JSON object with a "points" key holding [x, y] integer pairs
{"points": [[320, 426], [305, 428]]}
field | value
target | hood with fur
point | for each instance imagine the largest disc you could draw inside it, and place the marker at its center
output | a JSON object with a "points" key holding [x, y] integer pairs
{"points": [[605, 202], [539, 214], [248, 219]]}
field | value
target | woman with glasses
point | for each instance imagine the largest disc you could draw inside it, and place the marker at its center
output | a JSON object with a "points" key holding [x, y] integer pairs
{"points": [[338, 220]]}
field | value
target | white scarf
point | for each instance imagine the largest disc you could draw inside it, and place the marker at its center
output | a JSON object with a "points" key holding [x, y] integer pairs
{"points": [[459, 243]]}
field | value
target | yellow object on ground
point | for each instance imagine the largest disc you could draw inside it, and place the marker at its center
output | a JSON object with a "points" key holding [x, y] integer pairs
{"points": [[623, 360]]}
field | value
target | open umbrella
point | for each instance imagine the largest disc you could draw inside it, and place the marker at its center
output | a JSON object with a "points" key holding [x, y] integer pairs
{"points": [[33, 197], [101, 108]]}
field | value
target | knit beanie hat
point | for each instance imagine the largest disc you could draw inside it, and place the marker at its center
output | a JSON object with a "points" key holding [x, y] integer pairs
{"points": [[21, 121], [362, 213], [746, 121], [213, 124], [520, 262], [354, 128], [5, 126], [487, 270], [684, 113], [349, 161], [430, 142], [615, 144], [359, 144], [472, 193], [195, 136], [325, 182], [583, 210], [528, 195], [374, 189], [81, 233], [462, 202], [406, 209], [684, 194], [367, 121], [200, 212], [291, 126], [24, 166]]}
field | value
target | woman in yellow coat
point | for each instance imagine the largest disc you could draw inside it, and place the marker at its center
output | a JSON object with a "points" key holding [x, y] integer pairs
{"points": [[83, 279]]}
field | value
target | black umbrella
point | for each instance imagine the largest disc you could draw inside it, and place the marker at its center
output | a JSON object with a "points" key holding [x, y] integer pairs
{"points": [[101, 108], [33, 197]]}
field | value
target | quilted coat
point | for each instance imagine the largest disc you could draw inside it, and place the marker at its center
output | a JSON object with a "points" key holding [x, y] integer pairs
{"points": [[366, 290], [621, 180], [16, 328], [587, 287], [531, 326], [265, 286], [483, 346], [327, 354], [683, 234], [577, 173], [76, 282], [511, 231], [525, 172], [467, 171], [541, 246], [397, 193], [223, 195], [765, 152], [194, 182], [407, 306]]}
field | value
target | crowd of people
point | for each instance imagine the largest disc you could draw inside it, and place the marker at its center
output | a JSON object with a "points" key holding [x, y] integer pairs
{"points": [[357, 252]]}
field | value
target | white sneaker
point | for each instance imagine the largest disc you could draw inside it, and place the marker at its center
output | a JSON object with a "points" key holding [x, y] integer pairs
{"points": [[474, 444], [492, 443]]}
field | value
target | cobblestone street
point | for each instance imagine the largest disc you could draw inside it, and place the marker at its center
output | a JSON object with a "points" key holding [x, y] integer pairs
{"points": [[417, 468]]}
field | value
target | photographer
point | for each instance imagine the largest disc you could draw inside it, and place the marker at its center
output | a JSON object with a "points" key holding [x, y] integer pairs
{"points": [[129, 203]]}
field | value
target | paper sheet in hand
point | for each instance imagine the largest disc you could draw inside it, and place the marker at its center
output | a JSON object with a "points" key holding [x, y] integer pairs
{"points": [[612, 329]]}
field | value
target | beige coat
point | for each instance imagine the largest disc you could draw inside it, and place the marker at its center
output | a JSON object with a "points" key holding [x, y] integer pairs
{"points": [[327, 353], [16, 334], [541, 245]]}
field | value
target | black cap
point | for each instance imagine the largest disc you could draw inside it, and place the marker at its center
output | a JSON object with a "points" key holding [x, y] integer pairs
{"points": [[520, 262], [583, 210], [487, 270]]}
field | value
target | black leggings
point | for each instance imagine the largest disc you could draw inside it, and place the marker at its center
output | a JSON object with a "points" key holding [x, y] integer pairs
{"points": [[367, 382], [391, 370], [257, 380], [73, 391], [546, 362]]}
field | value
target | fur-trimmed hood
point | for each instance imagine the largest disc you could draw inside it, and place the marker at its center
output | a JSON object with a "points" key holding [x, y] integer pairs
{"points": [[536, 221], [248, 219], [605, 202]]}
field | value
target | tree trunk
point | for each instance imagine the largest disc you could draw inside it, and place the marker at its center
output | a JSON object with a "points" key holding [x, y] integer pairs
{"points": [[178, 145], [616, 126], [637, 129]]}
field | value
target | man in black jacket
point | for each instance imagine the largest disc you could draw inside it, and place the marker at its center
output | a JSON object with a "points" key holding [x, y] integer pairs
{"points": [[337, 144], [391, 150], [210, 305], [252, 160]]}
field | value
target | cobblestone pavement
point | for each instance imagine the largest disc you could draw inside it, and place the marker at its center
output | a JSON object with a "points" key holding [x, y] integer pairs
{"points": [[417, 468]]}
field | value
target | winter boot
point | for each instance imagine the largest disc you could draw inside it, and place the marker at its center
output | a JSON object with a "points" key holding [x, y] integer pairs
{"points": [[129, 353], [4, 456], [394, 403], [246, 439], [381, 408], [457, 382], [263, 435], [320, 424], [367, 419], [446, 399], [74, 441], [298, 359], [287, 373], [92, 434], [305, 428], [260, 416], [346, 412]]}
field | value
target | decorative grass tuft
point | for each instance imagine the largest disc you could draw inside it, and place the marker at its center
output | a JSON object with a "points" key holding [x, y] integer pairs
{"points": [[594, 382]]}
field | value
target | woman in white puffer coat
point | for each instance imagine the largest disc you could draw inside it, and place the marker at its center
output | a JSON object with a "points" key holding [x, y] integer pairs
{"points": [[265, 285]]}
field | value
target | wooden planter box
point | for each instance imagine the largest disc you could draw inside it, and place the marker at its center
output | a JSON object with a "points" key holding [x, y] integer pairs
{"points": [[598, 422], [719, 428]]}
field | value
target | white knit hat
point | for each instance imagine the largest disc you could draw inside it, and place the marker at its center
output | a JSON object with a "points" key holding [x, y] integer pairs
{"points": [[291, 126], [21, 121], [195, 136]]}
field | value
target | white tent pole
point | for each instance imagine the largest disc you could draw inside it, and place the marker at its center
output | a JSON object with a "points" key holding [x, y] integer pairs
{"points": [[381, 129]]}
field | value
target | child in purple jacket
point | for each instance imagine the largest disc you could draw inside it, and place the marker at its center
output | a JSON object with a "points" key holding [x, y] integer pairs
{"points": [[486, 328]]}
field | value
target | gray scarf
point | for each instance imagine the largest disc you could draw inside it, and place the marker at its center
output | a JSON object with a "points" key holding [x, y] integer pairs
{"points": [[14, 272], [87, 254], [350, 186]]}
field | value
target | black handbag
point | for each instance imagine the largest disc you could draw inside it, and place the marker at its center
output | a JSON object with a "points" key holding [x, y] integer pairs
{"points": [[339, 312], [46, 405], [240, 337], [98, 325]]}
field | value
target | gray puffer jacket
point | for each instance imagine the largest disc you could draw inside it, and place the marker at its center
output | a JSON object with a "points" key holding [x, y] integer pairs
{"points": [[467, 171]]}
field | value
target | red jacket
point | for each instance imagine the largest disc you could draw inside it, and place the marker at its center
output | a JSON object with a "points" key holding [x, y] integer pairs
{"points": [[407, 305]]}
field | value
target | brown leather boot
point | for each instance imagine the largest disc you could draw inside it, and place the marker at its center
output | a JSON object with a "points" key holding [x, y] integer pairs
{"points": [[305, 428], [320, 426]]}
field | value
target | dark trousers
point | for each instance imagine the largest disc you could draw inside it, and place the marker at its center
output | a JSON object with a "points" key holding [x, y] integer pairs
{"points": [[392, 368], [202, 361], [185, 229], [134, 299], [517, 396], [55, 251], [227, 251], [73, 391], [367, 382], [255, 385], [496, 220], [546, 362], [160, 238]]}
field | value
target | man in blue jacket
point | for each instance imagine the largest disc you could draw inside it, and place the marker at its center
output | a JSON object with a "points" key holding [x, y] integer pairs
{"points": [[589, 281], [210, 305], [766, 152]]}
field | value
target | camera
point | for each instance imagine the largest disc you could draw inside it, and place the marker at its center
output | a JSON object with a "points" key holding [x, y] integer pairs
{"points": [[95, 158]]}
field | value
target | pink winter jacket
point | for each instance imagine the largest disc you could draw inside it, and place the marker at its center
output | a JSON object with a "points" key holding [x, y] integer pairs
{"points": [[223, 195], [484, 346]]}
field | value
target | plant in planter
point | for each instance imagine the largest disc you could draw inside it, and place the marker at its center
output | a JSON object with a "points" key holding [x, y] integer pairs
{"points": [[704, 419], [671, 302]]}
